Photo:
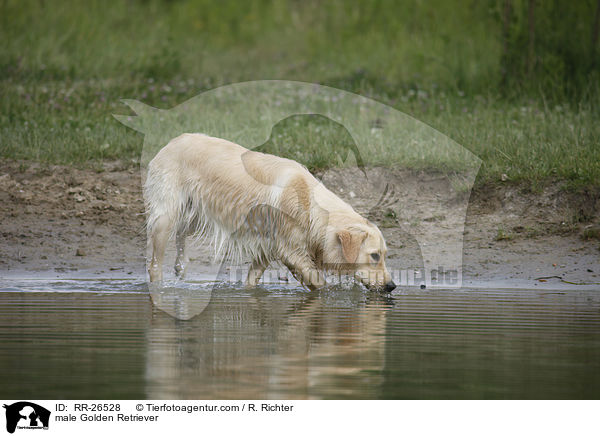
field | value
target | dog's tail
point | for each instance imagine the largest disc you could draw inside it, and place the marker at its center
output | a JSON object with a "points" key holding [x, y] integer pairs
{"points": [[167, 199]]}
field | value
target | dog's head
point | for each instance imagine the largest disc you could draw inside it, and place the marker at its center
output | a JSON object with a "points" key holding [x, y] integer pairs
{"points": [[359, 250]]}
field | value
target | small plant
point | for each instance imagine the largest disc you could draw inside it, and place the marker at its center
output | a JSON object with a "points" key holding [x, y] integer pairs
{"points": [[503, 235], [591, 233], [533, 232], [390, 214]]}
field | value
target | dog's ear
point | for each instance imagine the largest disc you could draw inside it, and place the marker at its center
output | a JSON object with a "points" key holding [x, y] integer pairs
{"points": [[351, 242]]}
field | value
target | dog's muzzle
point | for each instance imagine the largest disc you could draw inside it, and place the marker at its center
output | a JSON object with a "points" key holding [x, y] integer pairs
{"points": [[390, 286]]}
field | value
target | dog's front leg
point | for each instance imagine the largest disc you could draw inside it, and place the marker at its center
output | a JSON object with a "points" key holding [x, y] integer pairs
{"points": [[255, 273], [306, 272]]}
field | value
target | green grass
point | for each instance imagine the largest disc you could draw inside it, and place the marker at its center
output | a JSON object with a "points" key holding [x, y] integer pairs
{"points": [[64, 66]]}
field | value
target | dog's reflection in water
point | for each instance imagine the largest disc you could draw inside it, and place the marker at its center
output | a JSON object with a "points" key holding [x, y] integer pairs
{"points": [[261, 343]]}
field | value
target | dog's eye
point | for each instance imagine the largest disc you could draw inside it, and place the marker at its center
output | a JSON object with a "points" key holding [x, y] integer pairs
{"points": [[375, 257]]}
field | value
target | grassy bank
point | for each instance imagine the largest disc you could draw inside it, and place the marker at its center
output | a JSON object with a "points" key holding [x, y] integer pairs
{"points": [[65, 65]]}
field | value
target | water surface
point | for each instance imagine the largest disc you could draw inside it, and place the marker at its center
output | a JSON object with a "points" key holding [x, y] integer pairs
{"points": [[105, 339]]}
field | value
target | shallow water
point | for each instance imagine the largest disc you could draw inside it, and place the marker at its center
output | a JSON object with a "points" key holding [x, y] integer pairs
{"points": [[105, 339]]}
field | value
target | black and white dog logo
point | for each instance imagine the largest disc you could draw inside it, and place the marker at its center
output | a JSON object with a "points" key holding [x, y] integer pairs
{"points": [[26, 415]]}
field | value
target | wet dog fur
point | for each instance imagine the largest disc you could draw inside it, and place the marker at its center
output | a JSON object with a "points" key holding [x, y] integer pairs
{"points": [[257, 206]]}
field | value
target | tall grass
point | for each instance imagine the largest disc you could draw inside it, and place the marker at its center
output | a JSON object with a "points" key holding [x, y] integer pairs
{"points": [[65, 64], [401, 42]]}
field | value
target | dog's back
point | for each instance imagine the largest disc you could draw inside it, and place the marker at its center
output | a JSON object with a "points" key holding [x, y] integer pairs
{"points": [[205, 186]]}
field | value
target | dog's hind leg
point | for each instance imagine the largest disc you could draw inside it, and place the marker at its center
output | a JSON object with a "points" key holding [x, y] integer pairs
{"points": [[158, 237], [256, 271], [182, 259]]}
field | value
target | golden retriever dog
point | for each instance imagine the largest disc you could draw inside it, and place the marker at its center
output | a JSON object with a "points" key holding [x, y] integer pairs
{"points": [[260, 207]]}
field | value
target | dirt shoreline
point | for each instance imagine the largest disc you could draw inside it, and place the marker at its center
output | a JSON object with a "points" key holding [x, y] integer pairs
{"points": [[64, 220]]}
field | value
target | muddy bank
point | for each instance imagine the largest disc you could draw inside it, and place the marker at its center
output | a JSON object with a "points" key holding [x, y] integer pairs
{"points": [[64, 220]]}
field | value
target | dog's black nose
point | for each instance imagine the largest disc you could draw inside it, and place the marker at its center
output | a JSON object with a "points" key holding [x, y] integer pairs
{"points": [[390, 286]]}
